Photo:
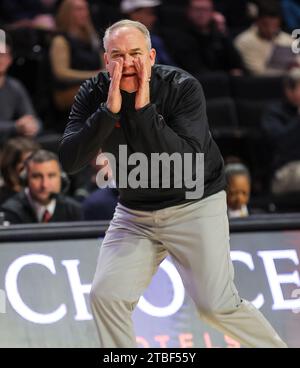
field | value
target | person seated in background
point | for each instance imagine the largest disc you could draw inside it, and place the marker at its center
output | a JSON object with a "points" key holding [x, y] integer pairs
{"points": [[144, 11], [14, 154], [291, 13], [101, 203], [238, 14], [238, 189], [265, 48], [28, 14], [41, 201], [83, 183], [75, 53], [17, 115], [281, 125], [203, 46]]}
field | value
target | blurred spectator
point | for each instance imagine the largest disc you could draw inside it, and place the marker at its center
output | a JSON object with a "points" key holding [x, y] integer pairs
{"points": [[203, 13], [291, 13], [100, 204], [238, 14], [28, 13], [281, 124], [17, 116], [41, 201], [144, 11], [203, 46], [265, 48], [14, 154], [75, 53], [238, 189], [83, 183], [104, 13]]}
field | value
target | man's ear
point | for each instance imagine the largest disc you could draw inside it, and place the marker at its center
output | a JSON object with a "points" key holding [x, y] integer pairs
{"points": [[152, 56]]}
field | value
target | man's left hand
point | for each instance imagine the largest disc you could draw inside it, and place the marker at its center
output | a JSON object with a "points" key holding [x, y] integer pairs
{"points": [[143, 93]]}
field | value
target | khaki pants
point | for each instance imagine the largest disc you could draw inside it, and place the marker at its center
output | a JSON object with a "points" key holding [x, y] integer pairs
{"points": [[196, 235]]}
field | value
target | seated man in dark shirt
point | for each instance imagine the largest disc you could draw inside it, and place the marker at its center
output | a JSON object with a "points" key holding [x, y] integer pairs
{"points": [[281, 124], [202, 46], [17, 115], [41, 201]]}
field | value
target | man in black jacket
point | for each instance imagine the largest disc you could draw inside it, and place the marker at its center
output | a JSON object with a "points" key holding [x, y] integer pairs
{"points": [[41, 201], [281, 125], [144, 111], [203, 45]]}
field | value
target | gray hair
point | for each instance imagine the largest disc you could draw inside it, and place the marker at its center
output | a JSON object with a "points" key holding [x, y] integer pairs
{"points": [[233, 169], [127, 23]]}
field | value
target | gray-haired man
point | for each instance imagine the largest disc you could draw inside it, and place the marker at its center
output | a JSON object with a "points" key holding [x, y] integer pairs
{"points": [[157, 109]]}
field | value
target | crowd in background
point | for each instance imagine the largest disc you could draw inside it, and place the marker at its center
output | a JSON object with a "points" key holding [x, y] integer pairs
{"points": [[242, 52]]}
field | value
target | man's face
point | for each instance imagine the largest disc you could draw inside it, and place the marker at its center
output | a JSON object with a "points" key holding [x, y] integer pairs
{"points": [[268, 27], [43, 180], [5, 61], [145, 16], [238, 192], [293, 95], [200, 12], [128, 43]]}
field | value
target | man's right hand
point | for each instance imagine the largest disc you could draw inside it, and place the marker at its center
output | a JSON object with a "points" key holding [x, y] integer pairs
{"points": [[114, 98]]}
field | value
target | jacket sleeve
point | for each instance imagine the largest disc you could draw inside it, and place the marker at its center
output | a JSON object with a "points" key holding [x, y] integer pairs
{"points": [[184, 130], [85, 132]]}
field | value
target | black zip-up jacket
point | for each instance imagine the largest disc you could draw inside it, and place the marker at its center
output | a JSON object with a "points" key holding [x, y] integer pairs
{"points": [[174, 121]]}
